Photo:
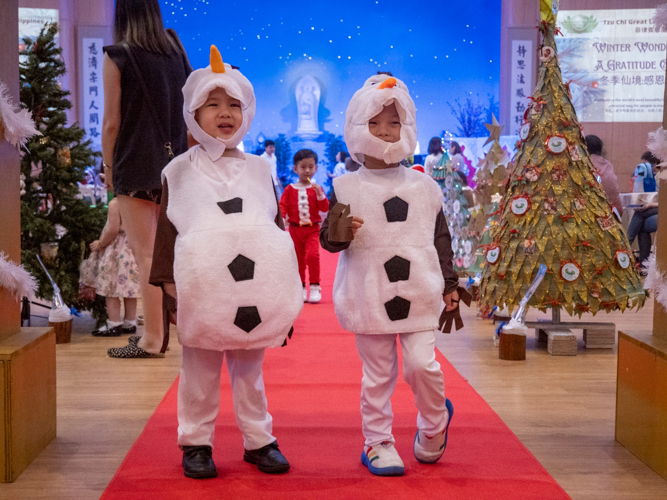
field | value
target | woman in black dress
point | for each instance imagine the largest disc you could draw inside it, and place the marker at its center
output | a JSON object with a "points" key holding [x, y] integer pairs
{"points": [[144, 72]]}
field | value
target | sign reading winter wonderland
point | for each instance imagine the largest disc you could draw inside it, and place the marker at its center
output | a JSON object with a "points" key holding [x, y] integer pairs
{"points": [[615, 61], [93, 90]]}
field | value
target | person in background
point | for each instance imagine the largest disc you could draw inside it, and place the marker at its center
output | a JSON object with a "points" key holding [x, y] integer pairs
{"points": [[117, 276], [300, 205], [339, 169], [605, 169], [458, 163], [644, 176], [434, 155], [644, 222], [466, 190], [133, 146], [269, 155]]}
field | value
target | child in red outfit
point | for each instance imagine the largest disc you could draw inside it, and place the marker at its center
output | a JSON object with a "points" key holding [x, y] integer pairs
{"points": [[301, 204]]}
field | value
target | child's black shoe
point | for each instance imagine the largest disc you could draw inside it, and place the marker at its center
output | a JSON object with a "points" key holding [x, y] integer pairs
{"points": [[108, 331], [267, 459], [198, 462]]}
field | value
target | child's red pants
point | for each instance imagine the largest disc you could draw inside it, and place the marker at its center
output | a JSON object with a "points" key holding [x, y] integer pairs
{"points": [[307, 245]]}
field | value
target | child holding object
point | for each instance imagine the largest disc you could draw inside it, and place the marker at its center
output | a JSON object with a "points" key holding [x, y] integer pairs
{"points": [[117, 276], [222, 254], [395, 268], [301, 204]]}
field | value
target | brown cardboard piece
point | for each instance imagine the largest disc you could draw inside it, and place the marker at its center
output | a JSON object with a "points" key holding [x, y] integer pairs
{"points": [[340, 223]]}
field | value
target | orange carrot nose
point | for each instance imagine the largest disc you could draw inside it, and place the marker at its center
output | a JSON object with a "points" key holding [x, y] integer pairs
{"points": [[217, 66], [388, 83]]}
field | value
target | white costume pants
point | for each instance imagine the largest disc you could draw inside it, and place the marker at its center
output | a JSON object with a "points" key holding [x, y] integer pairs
{"points": [[199, 396], [420, 370]]}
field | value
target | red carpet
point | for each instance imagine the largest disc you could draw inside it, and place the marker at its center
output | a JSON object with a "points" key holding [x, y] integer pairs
{"points": [[313, 386]]}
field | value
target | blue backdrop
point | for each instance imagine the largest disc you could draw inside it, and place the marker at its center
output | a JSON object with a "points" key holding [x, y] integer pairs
{"points": [[443, 50]]}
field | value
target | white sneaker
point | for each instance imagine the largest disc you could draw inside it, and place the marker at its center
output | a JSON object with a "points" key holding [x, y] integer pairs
{"points": [[305, 294], [383, 460], [315, 294], [429, 449]]}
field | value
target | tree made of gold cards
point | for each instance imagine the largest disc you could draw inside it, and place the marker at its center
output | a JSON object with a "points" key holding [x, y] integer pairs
{"points": [[556, 213]]}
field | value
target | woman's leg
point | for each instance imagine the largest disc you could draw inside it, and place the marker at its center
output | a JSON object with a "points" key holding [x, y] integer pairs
{"points": [[644, 237], [130, 309], [139, 218], [113, 309], [635, 225]]}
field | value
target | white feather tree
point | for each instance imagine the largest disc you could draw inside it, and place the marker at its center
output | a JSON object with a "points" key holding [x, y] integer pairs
{"points": [[15, 279], [660, 17], [18, 125]]}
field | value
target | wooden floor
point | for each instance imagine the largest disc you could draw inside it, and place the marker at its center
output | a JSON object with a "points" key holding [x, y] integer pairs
{"points": [[562, 409]]}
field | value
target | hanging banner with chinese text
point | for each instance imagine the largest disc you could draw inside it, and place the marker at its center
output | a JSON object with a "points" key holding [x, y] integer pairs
{"points": [[616, 62], [93, 90], [520, 90]]}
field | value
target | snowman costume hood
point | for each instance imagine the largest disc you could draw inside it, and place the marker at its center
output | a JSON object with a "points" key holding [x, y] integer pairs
{"points": [[199, 85], [379, 91], [235, 270]]}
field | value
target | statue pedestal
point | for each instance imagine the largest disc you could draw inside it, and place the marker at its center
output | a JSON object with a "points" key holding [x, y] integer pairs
{"points": [[641, 393], [27, 398], [641, 398]]}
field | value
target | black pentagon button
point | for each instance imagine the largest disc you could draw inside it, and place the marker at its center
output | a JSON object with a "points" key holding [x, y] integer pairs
{"points": [[396, 210], [233, 206], [247, 318], [398, 269], [397, 308], [242, 268]]}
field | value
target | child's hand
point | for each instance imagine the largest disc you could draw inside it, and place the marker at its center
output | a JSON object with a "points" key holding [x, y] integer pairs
{"points": [[95, 245], [451, 300], [357, 222], [318, 189]]}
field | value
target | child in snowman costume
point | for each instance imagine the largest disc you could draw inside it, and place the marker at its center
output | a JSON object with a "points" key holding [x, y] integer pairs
{"points": [[392, 274], [221, 251]]}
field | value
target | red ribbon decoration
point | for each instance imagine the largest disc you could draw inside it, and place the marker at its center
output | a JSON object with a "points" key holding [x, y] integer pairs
{"points": [[586, 244], [602, 269]]}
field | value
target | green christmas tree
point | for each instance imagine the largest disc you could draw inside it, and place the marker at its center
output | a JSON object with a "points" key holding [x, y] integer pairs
{"points": [[491, 178], [555, 212], [284, 160], [54, 222]]}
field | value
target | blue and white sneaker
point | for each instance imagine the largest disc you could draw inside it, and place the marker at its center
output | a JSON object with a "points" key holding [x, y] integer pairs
{"points": [[383, 460], [429, 449]]}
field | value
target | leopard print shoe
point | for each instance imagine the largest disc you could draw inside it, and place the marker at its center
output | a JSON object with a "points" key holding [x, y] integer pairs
{"points": [[132, 350]]}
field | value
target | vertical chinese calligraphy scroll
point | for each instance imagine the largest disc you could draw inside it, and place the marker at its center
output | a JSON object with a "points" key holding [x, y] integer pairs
{"points": [[92, 90], [521, 76]]}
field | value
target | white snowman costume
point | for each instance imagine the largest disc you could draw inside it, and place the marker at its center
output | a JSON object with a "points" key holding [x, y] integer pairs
{"points": [[389, 278], [235, 270]]}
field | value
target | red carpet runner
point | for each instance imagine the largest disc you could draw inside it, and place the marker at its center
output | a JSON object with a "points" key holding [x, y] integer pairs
{"points": [[313, 386]]}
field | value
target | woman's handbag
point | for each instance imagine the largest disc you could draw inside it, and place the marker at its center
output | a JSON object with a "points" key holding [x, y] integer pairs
{"points": [[88, 277]]}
